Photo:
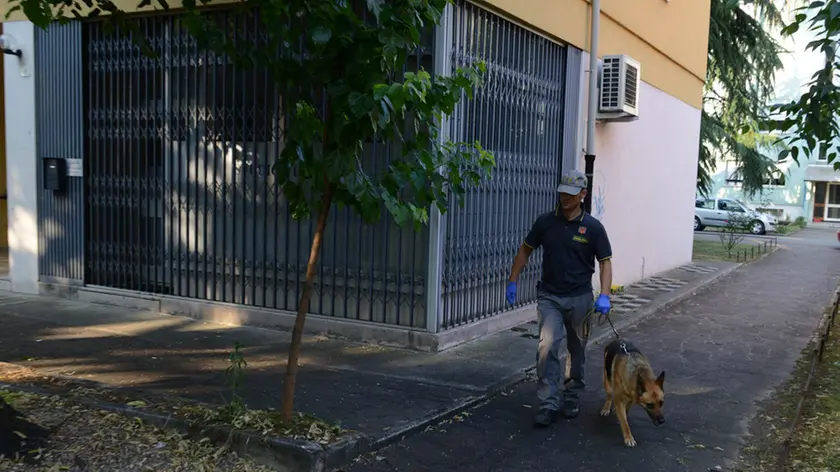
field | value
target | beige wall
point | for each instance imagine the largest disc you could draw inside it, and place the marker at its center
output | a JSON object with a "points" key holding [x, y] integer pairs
{"points": [[670, 39]]}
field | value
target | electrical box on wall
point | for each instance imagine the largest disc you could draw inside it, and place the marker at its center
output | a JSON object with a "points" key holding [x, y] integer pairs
{"points": [[55, 173]]}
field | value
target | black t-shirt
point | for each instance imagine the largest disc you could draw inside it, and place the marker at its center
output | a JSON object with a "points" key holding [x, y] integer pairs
{"points": [[570, 249]]}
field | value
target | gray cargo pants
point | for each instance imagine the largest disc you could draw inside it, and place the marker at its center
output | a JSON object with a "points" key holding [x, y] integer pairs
{"points": [[561, 317]]}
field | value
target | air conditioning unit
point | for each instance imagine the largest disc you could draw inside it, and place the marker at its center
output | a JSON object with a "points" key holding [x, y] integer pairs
{"points": [[618, 97]]}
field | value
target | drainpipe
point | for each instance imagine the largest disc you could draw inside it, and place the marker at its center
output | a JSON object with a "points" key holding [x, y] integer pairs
{"points": [[589, 156]]}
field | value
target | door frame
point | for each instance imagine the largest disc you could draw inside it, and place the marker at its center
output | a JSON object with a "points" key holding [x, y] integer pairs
{"points": [[828, 204]]}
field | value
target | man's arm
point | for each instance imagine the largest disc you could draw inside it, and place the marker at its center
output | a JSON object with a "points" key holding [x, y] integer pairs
{"points": [[519, 261], [603, 252], [606, 275], [532, 241]]}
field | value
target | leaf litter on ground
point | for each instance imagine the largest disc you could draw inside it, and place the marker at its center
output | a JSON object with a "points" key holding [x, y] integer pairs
{"points": [[79, 395], [816, 442], [83, 438]]}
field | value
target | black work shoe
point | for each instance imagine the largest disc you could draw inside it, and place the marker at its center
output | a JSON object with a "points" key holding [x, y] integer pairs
{"points": [[544, 417], [570, 410]]}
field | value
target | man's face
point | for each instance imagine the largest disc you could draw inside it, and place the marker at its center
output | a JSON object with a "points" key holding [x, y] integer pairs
{"points": [[569, 202]]}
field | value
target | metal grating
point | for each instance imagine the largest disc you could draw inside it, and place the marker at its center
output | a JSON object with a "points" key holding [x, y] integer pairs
{"points": [[630, 93], [610, 83], [519, 115], [183, 200], [60, 132]]}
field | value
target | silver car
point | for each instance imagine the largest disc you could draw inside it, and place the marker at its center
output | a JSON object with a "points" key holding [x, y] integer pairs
{"points": [[718, 212]]}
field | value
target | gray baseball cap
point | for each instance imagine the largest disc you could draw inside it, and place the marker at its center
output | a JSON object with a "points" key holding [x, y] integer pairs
{"points": [[572, 182]]}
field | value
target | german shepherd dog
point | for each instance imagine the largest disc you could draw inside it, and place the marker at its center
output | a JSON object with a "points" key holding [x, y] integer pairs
{"points": [[628, 380]]}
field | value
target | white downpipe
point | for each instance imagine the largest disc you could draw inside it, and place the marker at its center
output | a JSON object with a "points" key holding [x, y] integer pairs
{"points": [[589, 157], [593, 77]]}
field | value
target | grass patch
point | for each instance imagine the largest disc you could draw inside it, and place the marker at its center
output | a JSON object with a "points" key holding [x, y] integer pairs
{"points": [[787, 229], [715, 250], [816, 445], [816, 442]]}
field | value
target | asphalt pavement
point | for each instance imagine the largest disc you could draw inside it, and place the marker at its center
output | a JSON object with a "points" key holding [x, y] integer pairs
{"points": [[723, 350]]}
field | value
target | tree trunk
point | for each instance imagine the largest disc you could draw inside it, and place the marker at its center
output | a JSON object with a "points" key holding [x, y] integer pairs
{"points": [[303, 306]]}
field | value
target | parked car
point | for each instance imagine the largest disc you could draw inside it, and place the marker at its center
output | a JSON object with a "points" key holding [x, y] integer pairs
{"points": [[718, 211]]}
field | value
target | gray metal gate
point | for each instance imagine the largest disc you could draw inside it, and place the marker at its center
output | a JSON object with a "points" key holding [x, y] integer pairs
{"points": [[519, 115], [60, 131], [182, 196]]}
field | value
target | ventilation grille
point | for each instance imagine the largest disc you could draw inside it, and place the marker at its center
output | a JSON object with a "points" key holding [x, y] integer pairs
{"points": [[619, 93], [631, 79], [611, 84]]}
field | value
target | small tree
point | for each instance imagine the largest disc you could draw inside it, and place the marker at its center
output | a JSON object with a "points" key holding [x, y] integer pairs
{"points": [[353, 56], [733, 231]]}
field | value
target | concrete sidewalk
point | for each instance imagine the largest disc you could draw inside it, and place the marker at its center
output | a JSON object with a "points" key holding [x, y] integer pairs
{"points": [[723, 350], [379, 391]]}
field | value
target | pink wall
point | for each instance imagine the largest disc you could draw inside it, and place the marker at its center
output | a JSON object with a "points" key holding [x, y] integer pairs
{"points": [[644, 185]]}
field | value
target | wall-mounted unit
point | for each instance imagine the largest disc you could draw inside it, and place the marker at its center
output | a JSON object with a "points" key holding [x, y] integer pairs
{"points": [[618, 97]]}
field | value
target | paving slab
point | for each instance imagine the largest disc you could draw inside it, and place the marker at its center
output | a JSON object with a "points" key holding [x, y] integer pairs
{"points": [[376, 390], [722, 350]]}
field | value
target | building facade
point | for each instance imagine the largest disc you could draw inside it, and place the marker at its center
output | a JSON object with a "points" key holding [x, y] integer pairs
{"points": [[170, 204], [809, 188]]}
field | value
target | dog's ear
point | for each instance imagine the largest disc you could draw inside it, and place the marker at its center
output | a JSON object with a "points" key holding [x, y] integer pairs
{"points": [[661, 379], [640, 385]]}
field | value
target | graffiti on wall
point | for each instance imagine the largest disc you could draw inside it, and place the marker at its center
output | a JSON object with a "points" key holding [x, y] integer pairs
{"points": [[599, 197]]}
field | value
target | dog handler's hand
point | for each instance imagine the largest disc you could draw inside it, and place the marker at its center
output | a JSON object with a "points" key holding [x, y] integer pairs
{"points": [[602, 304], [510, 293]]}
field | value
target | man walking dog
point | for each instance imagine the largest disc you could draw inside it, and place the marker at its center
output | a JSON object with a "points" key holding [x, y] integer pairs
{"points": [[572, 240]]}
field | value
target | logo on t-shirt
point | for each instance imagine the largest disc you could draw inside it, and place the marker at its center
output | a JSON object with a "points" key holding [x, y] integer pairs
{"points": [[582, 230]]}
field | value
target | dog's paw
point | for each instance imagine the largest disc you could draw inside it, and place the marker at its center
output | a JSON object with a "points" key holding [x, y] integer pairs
{"points": [[630, 442], [606, 411]]}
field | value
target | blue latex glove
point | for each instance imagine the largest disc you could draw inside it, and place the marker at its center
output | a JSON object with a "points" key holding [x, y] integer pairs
{"points": [[510, 293], [602, 304]]}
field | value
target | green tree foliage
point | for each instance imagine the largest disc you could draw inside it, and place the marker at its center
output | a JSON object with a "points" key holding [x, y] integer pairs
{"points": [[743, 58], [810, 122], [338, 65]]}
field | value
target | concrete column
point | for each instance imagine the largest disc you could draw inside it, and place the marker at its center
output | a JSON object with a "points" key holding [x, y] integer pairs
{"points": [[437, 222], [21, 160]]}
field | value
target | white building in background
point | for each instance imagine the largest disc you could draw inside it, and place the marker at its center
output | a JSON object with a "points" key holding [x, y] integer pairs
{"points": [[810, 188]]}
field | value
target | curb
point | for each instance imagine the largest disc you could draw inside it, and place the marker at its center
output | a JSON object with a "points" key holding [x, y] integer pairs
{"points": [[440, 415], [291, 455], [519, 377]]}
